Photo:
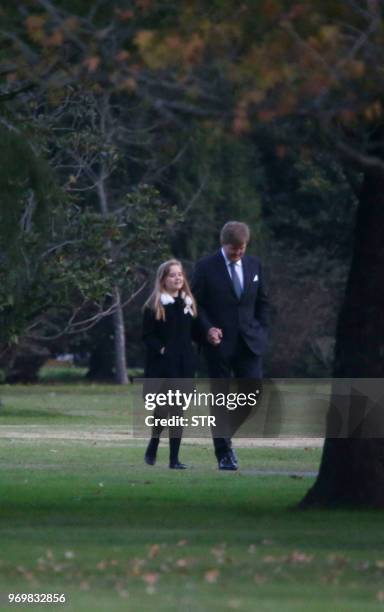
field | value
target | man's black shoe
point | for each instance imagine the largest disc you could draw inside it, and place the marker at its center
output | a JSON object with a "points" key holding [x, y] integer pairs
{"points": [[149, 459], [177, 466], [226, 463]]}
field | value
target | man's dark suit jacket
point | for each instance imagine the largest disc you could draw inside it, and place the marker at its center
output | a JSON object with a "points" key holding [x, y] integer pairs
{"points": [[218, 305]]}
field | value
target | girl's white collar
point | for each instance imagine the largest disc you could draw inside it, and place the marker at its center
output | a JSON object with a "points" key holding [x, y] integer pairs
{"points": [[166, 298]]}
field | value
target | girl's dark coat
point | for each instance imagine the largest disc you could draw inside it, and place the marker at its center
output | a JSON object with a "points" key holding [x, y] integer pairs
{"points": [[175, 334]]}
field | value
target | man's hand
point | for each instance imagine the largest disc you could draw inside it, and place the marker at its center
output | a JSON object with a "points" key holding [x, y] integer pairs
{"points": [[214, 335]]}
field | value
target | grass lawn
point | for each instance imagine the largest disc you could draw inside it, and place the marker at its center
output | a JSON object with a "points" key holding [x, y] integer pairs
{"points": [[88, 519]]}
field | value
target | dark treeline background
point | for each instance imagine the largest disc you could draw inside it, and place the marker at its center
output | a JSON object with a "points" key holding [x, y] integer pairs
{"points": [[113, 160]]}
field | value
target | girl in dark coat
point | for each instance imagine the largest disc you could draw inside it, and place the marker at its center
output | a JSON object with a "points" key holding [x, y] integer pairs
{"points": [[169, 314]]}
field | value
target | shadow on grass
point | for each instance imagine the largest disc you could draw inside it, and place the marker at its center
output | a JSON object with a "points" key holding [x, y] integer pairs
{"points": [[245, 508]]}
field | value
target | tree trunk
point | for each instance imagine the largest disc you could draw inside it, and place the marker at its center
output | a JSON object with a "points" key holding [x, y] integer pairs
{"points": [[121, 376], [352, 469], [120, 359], [101, 361], [22, 364]]}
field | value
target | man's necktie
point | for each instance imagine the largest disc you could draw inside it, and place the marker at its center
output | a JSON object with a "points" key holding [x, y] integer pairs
{"points": [[235, 280]]}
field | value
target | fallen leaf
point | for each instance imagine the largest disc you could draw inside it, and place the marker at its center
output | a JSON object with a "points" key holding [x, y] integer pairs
{"points": [[150, 590], [299, 557], [260, 579], [212, 575], [234, 604], [338, 560], [331, 578], [272, 559], [137, 567], [363, 566], [219, 553], [84, 585], [150, 578], [101, 565], [154, 551]]}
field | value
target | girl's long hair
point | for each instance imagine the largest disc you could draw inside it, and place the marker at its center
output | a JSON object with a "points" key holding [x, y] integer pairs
{"points": [[154, 300]]}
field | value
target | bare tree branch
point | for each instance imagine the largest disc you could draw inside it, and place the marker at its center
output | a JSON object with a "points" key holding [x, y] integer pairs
{"points": [[26, 219], [362, 159], [73, 327]]}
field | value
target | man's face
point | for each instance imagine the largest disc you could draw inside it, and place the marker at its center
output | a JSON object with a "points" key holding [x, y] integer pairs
{"points": [[234, 252]]}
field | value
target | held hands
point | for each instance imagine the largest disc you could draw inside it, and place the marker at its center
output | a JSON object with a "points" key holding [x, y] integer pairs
{"points": [[214, 335], [162, 350]]}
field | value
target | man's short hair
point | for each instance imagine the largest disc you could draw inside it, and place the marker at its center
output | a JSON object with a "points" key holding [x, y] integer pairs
{"points": [[235, 232]]}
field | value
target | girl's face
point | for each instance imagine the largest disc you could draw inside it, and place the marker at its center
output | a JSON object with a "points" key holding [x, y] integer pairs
{"points": [[174, 280]]}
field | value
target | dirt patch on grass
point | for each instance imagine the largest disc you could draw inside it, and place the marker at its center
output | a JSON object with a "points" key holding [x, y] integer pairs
{"points": [[110, 435]]}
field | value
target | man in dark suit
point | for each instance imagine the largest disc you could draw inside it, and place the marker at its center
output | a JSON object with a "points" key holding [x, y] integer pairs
{"points": [[233, 314]]}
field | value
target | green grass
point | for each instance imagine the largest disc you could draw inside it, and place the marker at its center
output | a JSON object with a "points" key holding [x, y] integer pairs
{"points": [[62, 374], [90, 520], [72, 374], [62, 405]]}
